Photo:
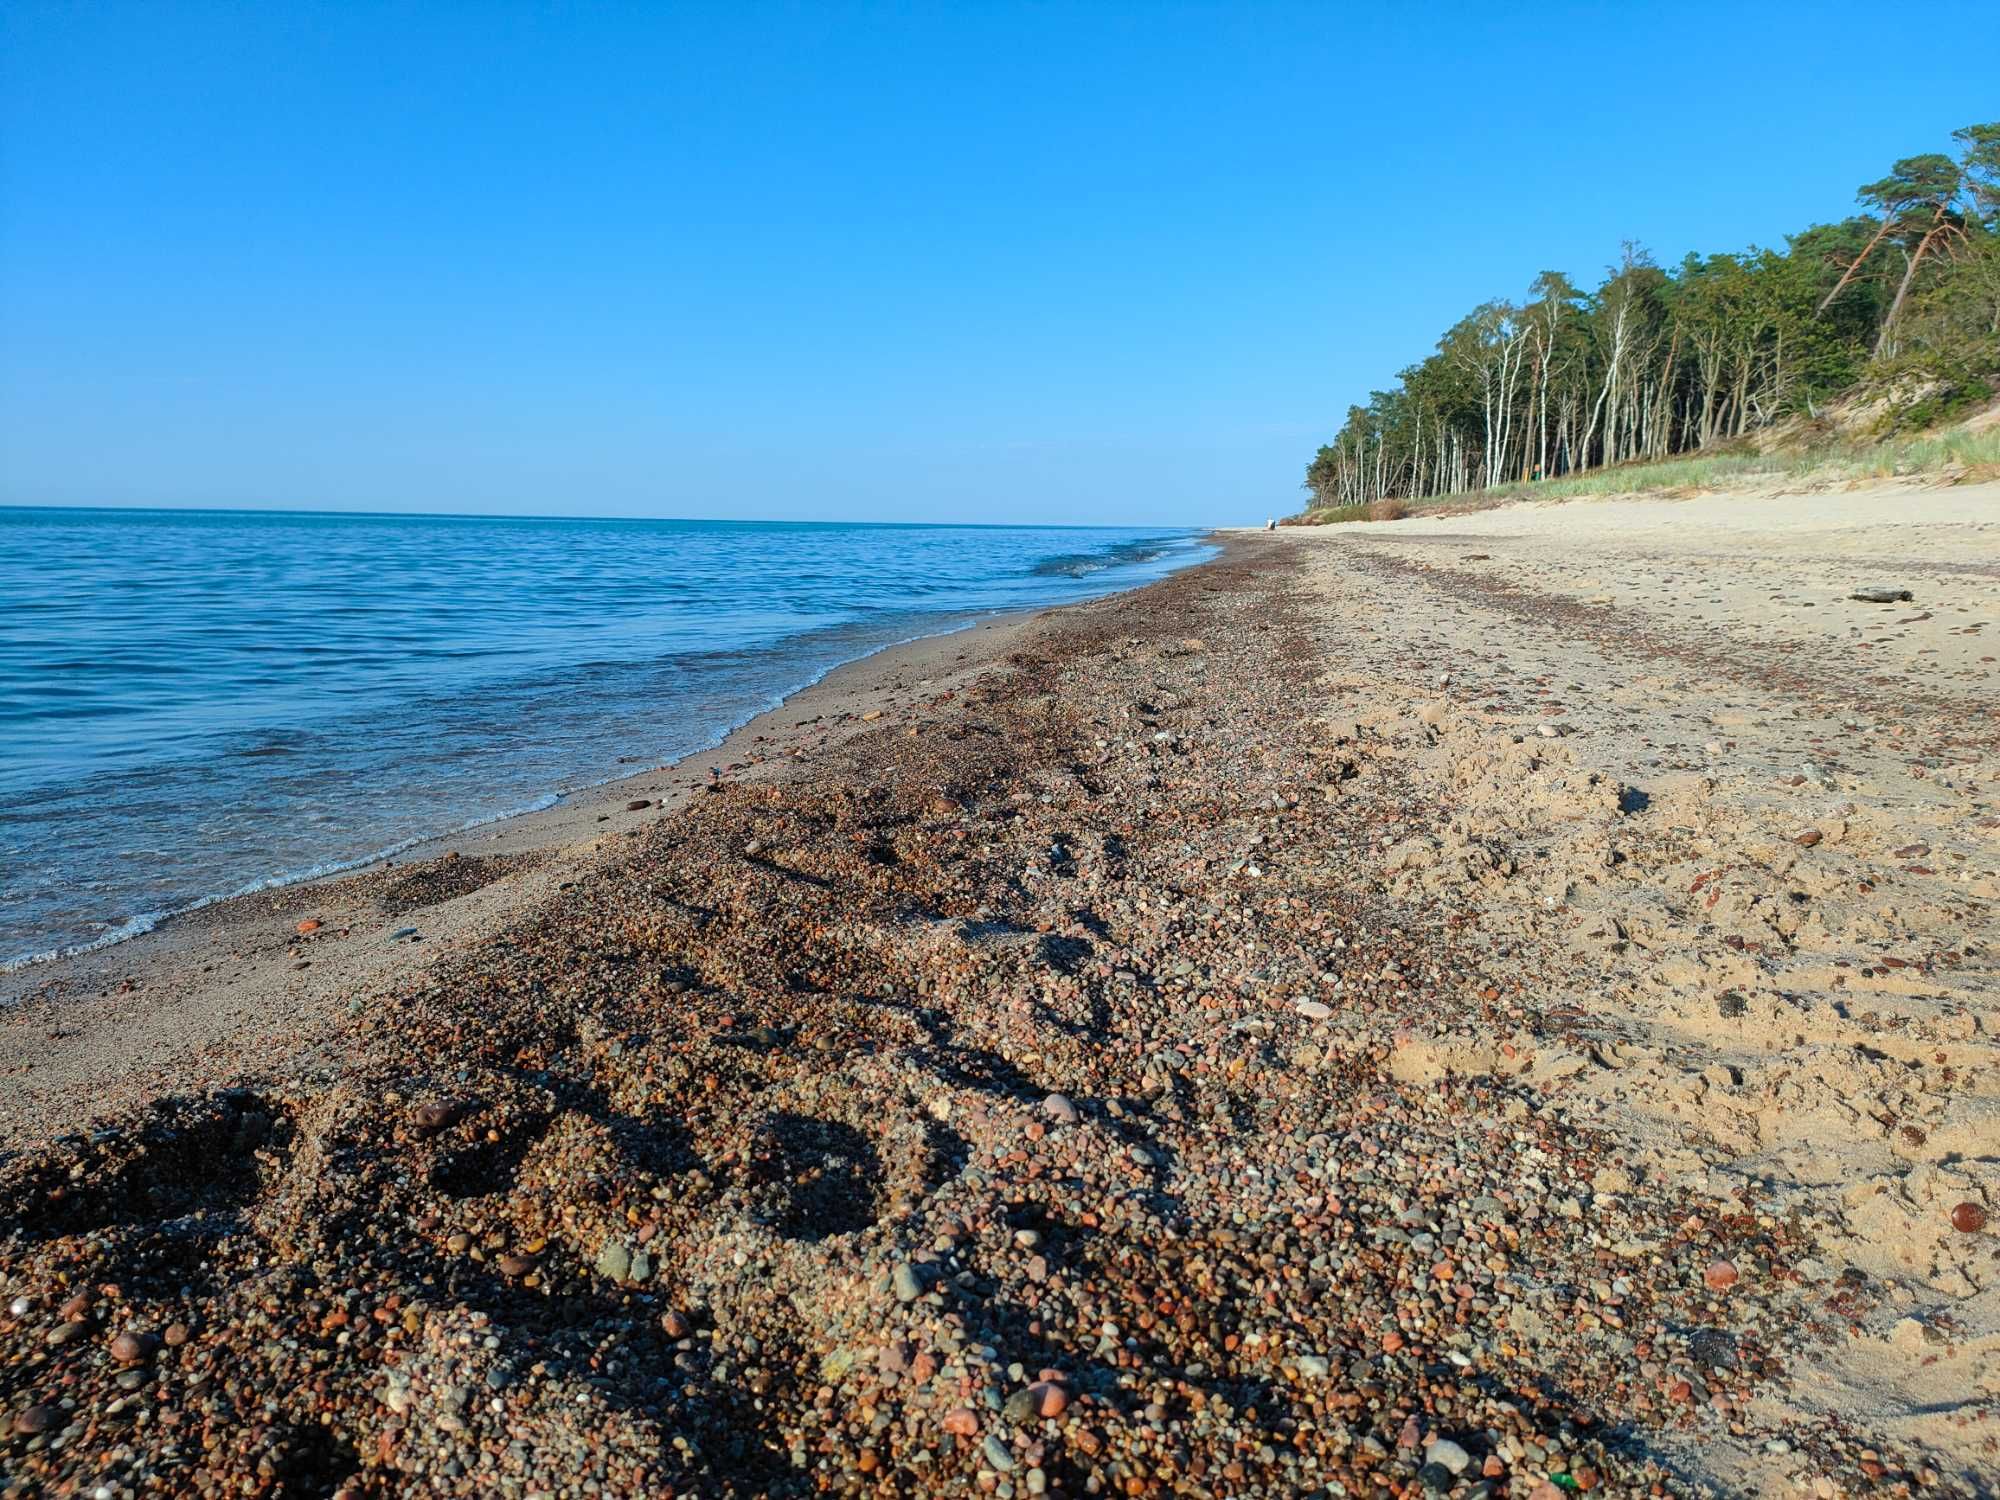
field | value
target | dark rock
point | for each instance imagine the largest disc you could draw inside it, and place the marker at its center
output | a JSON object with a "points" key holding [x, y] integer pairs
{"points": [[1713, 1349]]}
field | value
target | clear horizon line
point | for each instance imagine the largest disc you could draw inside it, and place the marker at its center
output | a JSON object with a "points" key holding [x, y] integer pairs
{"points": [[472, 515]]}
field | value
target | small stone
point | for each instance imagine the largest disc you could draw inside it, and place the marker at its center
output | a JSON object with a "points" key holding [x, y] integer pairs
{"points": [[513, 1263], [1809, 838], [1313, 1010], [176, 1335], [674, 1323], [1720, 1276], [961, 1420], [907, 1284], [1449, 1455], [996, 1454], [131, 1348], [1313, 1366], [614, 1262], [638, 804], [1882, 596], [1968, 1217], [1058, 1108], [309, 925], [47, 1417], [438, 1114], [1713, 1349]]}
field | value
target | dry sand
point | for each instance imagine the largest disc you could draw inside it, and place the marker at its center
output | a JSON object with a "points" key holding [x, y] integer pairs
{"points": [[1749, 827], [1492, 1005]]}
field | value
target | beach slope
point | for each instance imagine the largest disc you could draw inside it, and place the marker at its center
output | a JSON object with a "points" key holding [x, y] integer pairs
{"points": [[1494, 1001]]}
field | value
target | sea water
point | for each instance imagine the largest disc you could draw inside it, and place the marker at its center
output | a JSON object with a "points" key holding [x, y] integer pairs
{"points": [[199, 703]]}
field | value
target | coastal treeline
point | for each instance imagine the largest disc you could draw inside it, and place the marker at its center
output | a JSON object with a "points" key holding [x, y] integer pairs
{"points": [[1661, 360]]}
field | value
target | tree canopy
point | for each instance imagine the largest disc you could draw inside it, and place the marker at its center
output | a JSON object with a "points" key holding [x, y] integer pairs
{"points": [[1662, 360]]}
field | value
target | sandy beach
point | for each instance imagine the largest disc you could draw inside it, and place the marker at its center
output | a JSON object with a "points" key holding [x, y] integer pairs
{"points": [[1498, 1004]]}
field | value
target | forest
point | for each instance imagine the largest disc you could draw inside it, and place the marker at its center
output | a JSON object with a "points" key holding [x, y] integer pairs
{"points": [[1657, 360]]}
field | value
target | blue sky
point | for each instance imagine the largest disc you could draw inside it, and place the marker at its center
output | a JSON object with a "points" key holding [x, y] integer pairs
{"points": [[1090, 263]]}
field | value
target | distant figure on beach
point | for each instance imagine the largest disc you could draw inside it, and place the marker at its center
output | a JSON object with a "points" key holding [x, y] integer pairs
{"points": [[1270, 525]]}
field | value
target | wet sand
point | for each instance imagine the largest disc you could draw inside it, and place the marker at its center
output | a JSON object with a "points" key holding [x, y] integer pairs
{"points": [[234, 988], [1494, 1005]]}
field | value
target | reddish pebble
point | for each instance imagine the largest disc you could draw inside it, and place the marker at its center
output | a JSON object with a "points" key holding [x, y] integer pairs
{"points": [[36, 1419], [1492, 1468], [1968, 1218], [961, 1421], [675, 1323], [131, 1348], [1391, 1342], [1810, 837], [176, 1335], [309, 925], [1051, 1400], [433, 1117], [1720, 1275]]}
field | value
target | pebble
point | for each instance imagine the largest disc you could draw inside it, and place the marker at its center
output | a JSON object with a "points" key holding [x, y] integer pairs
{"points": [[1720, 1276], [1448, 1455], [436, 1115], [131, 1348], [960, 1420], [905, 1281], [34, 1420], [996, 1453], [1058, 1108], [1968, 1217]]}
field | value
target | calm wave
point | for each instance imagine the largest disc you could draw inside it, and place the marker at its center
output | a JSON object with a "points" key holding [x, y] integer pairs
{"points": [[198, 703]]}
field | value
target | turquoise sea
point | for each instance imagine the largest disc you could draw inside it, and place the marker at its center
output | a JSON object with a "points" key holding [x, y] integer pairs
{"points": [[197, 703]]}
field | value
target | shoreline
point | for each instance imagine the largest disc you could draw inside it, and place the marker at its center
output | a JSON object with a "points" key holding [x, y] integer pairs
{"points": [[1497, 1006], [197, 828], [145, 923], [182, 952]]}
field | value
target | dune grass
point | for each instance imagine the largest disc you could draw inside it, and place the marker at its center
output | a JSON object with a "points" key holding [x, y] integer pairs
{"points": [[1706, 471]]}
